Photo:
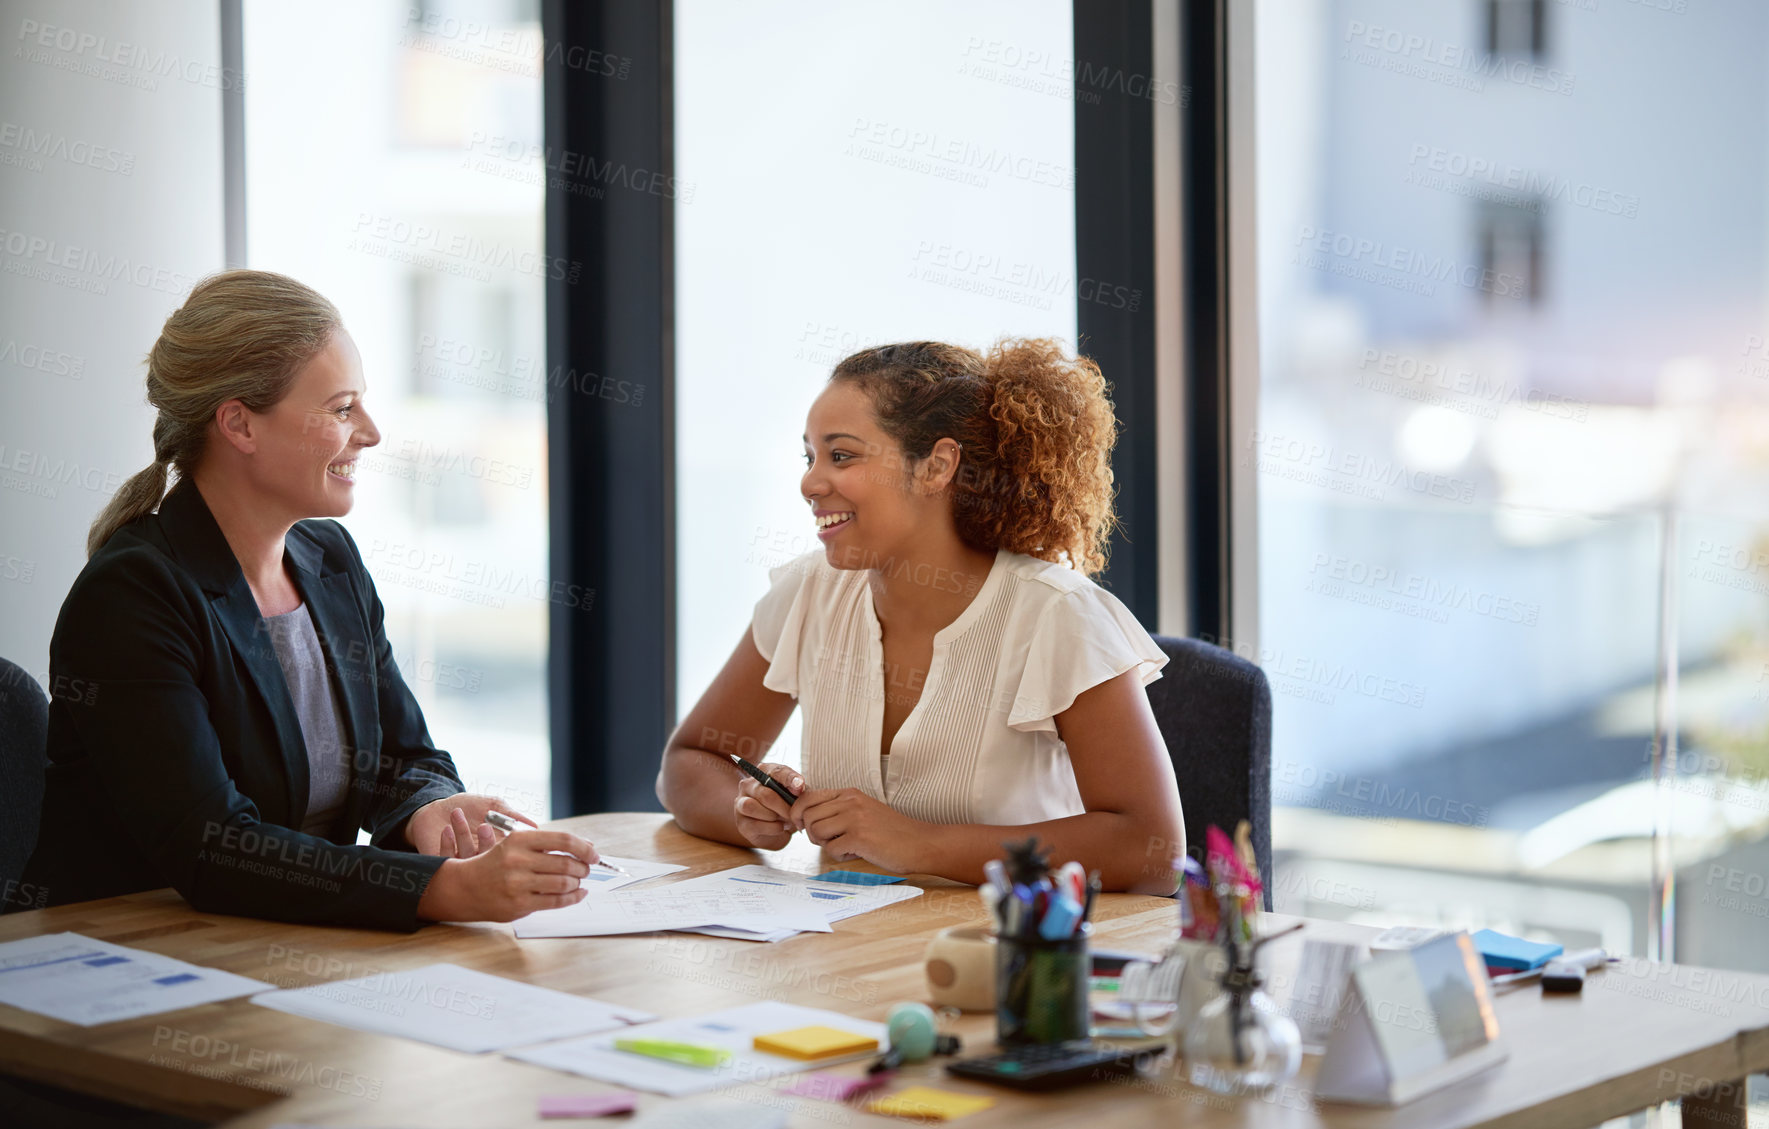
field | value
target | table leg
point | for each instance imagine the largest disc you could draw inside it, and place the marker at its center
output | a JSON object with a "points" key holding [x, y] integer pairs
{"points": [[1722, 1108]]}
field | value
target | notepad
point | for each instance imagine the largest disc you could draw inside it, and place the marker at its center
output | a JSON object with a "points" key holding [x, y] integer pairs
{"points": [[927, 1103], [586, 1105], [1500, 950], [835, 1087], [815, 1042]]}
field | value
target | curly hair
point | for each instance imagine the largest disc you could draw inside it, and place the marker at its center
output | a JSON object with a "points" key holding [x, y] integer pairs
{"points": [[1036, 430]]}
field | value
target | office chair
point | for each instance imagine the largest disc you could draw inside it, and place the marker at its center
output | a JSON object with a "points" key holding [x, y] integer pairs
{"points": [[24, 756], [1214, 711]]}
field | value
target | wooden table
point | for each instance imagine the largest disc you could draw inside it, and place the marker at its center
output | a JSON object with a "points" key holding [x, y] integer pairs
{"points": [[1639, 1034]]}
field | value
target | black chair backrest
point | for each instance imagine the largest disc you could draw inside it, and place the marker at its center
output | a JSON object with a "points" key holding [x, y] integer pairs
{"points": [[1214, 710], [24, 756]]}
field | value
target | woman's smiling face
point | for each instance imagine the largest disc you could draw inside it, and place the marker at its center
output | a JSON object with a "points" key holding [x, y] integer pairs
{"points": [[856, 481], [309, 441]]}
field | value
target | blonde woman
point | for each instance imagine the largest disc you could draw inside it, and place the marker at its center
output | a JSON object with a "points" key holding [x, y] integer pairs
{"points": [[245, 716], [964, 681]]}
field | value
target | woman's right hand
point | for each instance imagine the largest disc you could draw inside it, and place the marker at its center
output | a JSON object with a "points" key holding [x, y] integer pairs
{"points": [[513, 878], [762, 817]]}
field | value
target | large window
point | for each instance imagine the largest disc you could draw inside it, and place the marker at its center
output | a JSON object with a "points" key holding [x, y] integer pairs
{"points": [[394, 164], [907, 176], [1512, 406]]}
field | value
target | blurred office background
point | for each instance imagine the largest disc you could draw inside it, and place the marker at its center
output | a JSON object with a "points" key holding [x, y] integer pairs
{"points": [[1512, 374], [1512, 379]]}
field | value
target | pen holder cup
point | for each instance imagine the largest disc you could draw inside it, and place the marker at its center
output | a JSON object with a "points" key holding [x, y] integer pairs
{"points": [[961, 968], [1041, 989]]}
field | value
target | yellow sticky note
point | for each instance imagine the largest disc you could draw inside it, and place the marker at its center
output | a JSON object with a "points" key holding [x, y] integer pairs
{"points": [[815, 1042], [925, 1103]]}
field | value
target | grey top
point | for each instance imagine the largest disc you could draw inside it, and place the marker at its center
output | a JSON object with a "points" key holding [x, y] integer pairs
{"points": [[304, 668]]}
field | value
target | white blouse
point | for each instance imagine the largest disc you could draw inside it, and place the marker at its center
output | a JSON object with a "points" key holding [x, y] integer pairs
{"points": [[981, 744]]}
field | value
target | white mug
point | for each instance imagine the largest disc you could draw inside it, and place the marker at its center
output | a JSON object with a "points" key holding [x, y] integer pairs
{"points": [[960, 967]]}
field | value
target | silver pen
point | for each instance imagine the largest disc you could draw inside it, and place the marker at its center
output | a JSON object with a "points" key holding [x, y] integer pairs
{"points": [[504, 823]]}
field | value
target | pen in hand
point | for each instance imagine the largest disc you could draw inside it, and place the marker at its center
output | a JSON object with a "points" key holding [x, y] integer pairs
{"points": [[504, 823], [763, 779]]}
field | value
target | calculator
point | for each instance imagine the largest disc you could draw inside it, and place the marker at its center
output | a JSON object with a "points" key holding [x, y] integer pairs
{"points": [[1054, 1065]]}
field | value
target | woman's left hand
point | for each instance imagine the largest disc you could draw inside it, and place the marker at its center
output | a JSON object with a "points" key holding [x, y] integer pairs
{"points": [[455, 826], [849, 824]]}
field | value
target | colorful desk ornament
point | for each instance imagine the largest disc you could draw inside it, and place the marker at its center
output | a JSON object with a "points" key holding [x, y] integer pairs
{"points": [[1406, 1023], [1237, 1042]]}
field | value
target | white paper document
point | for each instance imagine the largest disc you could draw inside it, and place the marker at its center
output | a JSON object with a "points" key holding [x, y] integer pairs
{"points": [[682, 905], [79, 980], [600, 880], [749, 903], [734, 1029], [836, 901], [453, 1007]]}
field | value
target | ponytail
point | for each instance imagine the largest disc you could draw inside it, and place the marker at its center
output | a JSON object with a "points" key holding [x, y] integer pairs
{"points": [[137, 497], [240, 335], [1035, 430], [1054, 433]]}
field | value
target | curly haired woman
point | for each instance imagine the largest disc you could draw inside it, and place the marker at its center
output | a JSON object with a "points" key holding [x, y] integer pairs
{"points": [[964, 680]]}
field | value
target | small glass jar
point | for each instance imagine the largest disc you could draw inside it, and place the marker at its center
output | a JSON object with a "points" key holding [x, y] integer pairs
{"points": [[1240, 1042]]}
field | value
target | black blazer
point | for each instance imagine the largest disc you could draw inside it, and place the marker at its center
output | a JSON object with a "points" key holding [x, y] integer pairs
{"points": [[175, 754]]}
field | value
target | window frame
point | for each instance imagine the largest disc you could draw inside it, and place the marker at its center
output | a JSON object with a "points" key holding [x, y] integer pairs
{"points": [[611, 523]]}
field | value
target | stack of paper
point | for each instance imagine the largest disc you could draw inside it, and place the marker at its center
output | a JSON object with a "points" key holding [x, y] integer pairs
{"points": [[752, 903], [453, 1007], [679, 906], [834, 900], [734, 1030], [600, 879], [78, 980]]}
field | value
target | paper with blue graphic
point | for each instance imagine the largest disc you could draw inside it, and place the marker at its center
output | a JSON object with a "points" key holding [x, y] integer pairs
{"points": [[833, 900], [78, 980], [859, 878]]}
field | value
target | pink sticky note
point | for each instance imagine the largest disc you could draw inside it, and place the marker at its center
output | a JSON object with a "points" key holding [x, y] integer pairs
{"points": [[834, 1088], [587, 1105]]}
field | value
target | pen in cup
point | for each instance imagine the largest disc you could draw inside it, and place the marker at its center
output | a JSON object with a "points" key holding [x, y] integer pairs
{"points": [[504, 823]]}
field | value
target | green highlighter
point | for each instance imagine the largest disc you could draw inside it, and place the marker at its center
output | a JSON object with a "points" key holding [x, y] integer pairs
{"points": [[688, 1054]]}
